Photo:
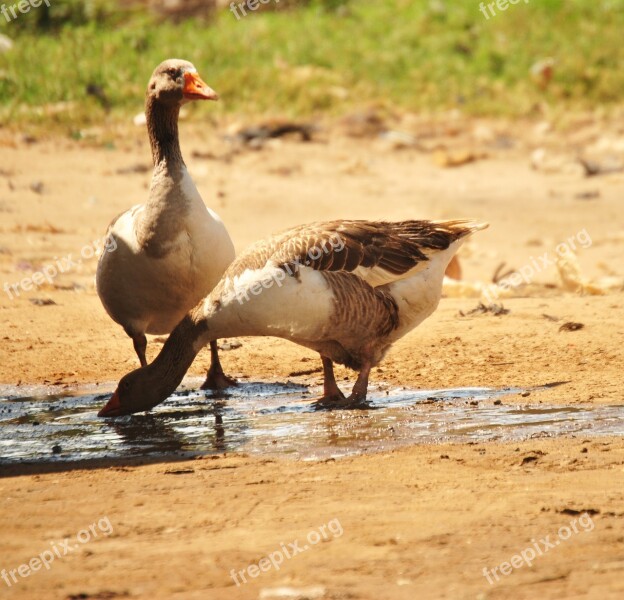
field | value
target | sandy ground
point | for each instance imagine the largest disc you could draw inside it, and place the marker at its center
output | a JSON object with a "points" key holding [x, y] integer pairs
{"points": [[417, 522]]}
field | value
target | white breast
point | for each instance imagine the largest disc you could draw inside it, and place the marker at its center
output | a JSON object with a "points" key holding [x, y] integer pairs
{"points": [[269, 302], [151, 294], [418, 295]]}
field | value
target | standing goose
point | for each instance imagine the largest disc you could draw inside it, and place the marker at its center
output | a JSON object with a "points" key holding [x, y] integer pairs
{"points": [[346, 289], [172, 250]]}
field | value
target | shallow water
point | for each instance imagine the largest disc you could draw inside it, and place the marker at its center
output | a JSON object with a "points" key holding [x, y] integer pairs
{"points": [[270, 419]]}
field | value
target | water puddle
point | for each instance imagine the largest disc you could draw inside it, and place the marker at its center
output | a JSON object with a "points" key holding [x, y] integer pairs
{"points": [[272, 419]]}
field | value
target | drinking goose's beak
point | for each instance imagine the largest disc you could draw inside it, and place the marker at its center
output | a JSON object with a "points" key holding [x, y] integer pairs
{"points": [[197, 89], [112, 408]]}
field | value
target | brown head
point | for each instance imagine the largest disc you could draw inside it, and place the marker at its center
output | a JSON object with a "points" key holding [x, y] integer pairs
{"points": [[137, 391], [148, 386], [175, 82]]}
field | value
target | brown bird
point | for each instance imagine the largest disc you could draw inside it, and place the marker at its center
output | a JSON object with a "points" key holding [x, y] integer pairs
{"points": [[346, 289], [172, 250]]}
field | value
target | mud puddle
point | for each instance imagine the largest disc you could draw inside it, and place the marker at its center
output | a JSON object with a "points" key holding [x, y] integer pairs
{"points": [[272, 419]]}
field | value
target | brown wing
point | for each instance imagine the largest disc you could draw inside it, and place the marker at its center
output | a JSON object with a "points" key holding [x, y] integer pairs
{"points": [[349, 245]]}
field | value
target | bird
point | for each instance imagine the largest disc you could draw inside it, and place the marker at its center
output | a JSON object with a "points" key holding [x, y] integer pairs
{"points": [[346, 289], [172, 250]]}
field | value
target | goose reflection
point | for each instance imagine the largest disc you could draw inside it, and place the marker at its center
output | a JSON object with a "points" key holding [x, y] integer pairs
{"points": [[173, 431]]}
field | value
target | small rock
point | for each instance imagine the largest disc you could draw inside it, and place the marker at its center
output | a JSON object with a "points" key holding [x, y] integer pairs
{"points": [[588, 195], [446, 159], [42, 301], [573, 512], [396, 140], [550, 318], [179, 471], [37, 186], [593, 168], [495, 309], [226, 345], [136, 168], [140, 120], [571, 326]]}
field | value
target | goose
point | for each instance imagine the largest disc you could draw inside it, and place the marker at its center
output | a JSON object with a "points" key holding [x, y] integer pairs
{"points": [[345, 289], [172, 250]]}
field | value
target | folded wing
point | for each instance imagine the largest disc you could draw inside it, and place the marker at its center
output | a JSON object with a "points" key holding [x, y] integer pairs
{"points": [[376, 251]]}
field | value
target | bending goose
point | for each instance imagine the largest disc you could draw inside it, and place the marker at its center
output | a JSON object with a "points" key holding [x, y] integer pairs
{"points": [[172, 250], [346, 289]]}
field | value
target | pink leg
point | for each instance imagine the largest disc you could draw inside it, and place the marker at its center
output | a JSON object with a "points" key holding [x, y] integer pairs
{"points": [[140, 346], [360, 389], [333, 398], [330, 387], [216, 379]]}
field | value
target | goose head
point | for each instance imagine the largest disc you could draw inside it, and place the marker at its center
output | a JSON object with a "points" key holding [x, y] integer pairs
{"points": [[137, 391], [144, 388], [175, 82]]}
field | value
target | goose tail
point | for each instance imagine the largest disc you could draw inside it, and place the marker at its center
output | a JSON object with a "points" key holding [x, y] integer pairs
{"points": [[461, 227]]}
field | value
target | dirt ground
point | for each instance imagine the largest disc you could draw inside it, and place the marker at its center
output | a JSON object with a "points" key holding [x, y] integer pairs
{"points": [[419, 522]]}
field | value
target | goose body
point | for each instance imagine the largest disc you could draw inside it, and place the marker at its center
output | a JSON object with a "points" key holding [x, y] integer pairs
{"points": [[348, 308], [172, 250], [345, 289], [149, 287]]}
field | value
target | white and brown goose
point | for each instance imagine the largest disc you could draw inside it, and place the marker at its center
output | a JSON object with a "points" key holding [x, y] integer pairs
{"points": [[172, 250], [346, 289]]}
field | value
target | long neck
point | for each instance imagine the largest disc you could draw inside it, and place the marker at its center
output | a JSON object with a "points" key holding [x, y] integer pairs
{"points": [[167, 205], [178, 354], [162, 127]]}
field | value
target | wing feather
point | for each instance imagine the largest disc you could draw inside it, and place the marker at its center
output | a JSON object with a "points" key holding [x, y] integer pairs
{"points": [[377, 251]]}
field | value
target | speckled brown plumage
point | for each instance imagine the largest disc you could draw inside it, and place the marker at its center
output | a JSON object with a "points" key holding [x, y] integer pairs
{"points": [[357, 301], [394, 247]]}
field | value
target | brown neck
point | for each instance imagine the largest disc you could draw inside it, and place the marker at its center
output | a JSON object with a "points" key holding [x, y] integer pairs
{"points": [[162, 127], [178, 353]]}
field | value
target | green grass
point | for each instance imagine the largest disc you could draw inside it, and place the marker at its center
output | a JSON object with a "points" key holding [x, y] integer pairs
{"points": [[416, 55]]}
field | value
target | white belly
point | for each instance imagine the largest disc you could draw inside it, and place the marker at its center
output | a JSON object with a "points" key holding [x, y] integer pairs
{"points": [[269, 302], [151, 295], [419, 295]]}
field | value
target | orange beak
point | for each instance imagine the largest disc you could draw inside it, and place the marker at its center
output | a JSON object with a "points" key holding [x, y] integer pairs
{"points": [[112, 408], [196, 89]]}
